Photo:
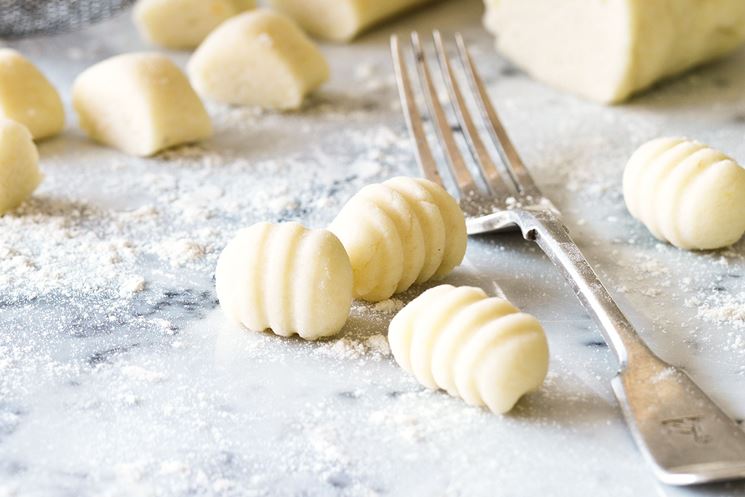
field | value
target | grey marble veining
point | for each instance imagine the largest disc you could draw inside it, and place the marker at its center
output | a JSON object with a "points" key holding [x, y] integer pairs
{"points": [[159, 395]]}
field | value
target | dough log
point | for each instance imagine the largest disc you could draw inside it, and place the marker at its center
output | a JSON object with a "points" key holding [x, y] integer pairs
{"points": [[481, 349], [607, 50], [342, 20]]}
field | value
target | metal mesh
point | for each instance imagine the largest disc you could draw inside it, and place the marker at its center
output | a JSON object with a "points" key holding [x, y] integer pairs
{"points": [[22, 18]]}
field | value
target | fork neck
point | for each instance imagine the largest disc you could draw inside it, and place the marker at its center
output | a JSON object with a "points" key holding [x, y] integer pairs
{"points": [[545, 227]]}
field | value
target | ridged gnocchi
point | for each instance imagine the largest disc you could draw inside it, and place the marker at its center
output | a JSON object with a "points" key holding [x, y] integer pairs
{"points": [[686, 193], [398, 233], [286, 278], [481, 349]]}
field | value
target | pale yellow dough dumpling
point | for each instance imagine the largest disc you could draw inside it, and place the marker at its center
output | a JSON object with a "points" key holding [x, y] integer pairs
{"points": [[342, 20], [479, 348], [398, 233], [686, 193], [140, 103], [19, 168], [27, 97], [183, 24], [286, 278], [260, 58]]}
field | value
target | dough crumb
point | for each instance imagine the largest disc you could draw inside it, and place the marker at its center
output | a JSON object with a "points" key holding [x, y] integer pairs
{"points": [[132, 286]]}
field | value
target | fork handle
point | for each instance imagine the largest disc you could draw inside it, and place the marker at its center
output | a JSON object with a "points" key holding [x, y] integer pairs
{"points": [[546, 228]]}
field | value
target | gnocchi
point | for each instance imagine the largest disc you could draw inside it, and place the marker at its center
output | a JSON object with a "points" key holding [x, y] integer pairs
{"points": [[686, 193], [27, 97], [19, 169], [341, 20], [481, 349], [183, 24], [398, 233], [140, 103], [259, 58], [286, 278]]}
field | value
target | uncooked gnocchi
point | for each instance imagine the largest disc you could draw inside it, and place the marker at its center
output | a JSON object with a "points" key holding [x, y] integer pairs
{"points": [[686, 193], [140, 103], [259, 58], [286, 278], [401, 232], [341, 20], [481, 349], [19, 169], [27, 97], [183, 24]]}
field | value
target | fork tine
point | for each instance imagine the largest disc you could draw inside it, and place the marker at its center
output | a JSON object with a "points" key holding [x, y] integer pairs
{"points": [[424, 156], [458, 168], [488, 169], [506, 149]]}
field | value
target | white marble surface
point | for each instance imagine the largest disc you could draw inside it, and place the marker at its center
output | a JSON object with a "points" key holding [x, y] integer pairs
{"points": [[154, 393]]}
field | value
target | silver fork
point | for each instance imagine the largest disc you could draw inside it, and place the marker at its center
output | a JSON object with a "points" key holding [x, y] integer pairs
{"points": [[685, 436]]}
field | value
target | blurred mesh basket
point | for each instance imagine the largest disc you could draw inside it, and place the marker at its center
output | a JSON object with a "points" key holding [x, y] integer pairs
{"points": [[23, 18]]}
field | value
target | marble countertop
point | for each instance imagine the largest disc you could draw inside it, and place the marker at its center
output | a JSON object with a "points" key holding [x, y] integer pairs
{"points": [[119, 376]]}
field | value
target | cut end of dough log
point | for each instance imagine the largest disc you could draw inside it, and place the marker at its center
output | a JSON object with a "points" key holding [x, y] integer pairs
{"points": [[608, 50], [260, 58], [183, 24], [140, 103], [19, 168], [27, 97]]}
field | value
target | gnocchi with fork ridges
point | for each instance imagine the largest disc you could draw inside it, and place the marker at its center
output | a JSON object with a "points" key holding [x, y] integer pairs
{"points": [[286, 278], [398, 233], [479, 348], [686, 193]]}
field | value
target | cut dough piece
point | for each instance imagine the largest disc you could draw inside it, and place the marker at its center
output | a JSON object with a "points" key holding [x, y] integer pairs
{"points": [[286, 278], [27, 97], [401, 232], [140, 103], [258, 58], [183, 24], [686, 193], [481, 349], [341, 20], [607, 50], [19, 165]]}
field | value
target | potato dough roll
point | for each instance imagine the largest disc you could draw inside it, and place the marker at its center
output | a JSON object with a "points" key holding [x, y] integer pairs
{"points": [[401, 232], [481, 349], [286, 278], [607, 50]]}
